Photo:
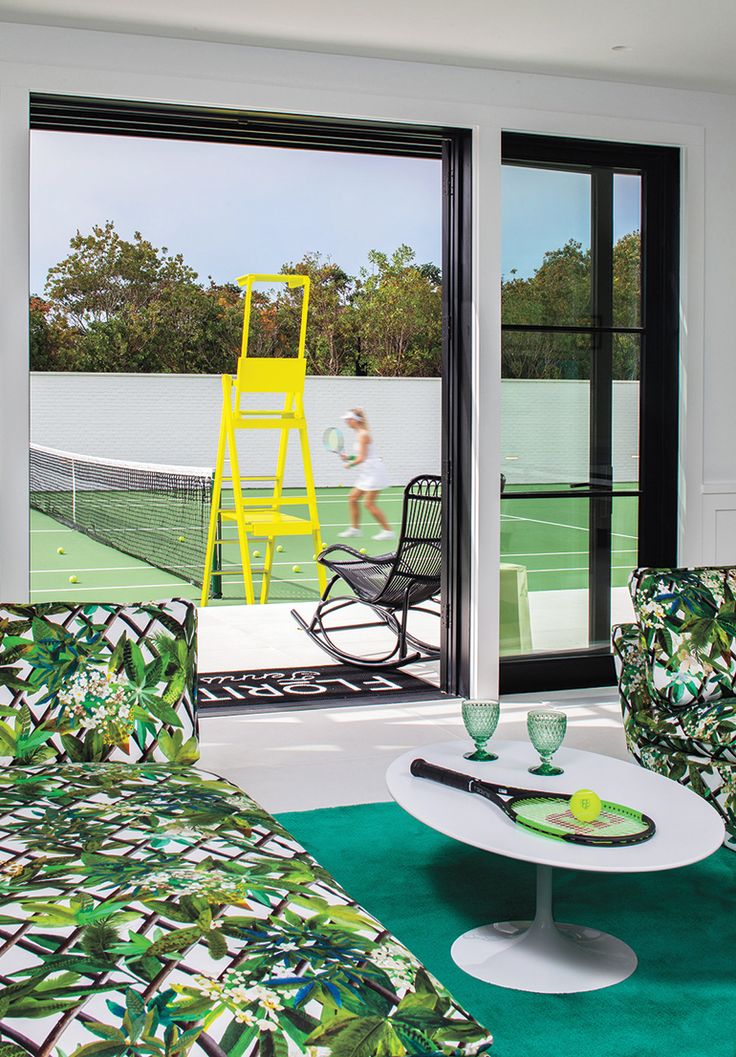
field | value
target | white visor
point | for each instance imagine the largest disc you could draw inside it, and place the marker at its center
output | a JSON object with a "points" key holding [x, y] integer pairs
{"points": [[350, 416]]}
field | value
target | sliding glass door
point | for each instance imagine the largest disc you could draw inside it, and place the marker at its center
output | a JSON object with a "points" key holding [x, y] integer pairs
{"points": [[589, 378]]}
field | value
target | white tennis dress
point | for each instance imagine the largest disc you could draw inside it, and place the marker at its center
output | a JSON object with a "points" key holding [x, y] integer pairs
{"points": [[371, 475]]}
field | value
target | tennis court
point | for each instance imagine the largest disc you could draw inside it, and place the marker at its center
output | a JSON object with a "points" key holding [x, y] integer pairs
{"points": [[547, 536]]}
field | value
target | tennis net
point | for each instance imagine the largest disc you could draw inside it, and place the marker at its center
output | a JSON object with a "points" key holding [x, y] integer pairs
{"points": [[157, 513]]}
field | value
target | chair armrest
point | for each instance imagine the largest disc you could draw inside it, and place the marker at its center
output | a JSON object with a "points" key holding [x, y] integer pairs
{"points": [[634, 679], [379, 559]]}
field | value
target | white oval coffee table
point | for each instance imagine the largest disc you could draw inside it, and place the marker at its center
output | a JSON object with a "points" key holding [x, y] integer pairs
{"points": [[542, 955]]}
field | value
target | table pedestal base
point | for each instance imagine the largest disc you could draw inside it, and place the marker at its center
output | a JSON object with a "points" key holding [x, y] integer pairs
{"points": [[541, 955]]}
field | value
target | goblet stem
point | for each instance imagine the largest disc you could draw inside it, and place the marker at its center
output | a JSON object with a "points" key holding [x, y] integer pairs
{"points": [[480, 751], [545, 768]]}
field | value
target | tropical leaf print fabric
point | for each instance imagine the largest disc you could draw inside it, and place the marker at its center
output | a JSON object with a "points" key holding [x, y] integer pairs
{"points": [[169, 915], [98, 682], [677, 680], [688, 619]]}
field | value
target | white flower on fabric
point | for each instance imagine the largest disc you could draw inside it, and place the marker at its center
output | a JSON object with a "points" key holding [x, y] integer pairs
{"points": [[688, 662], [396, 961], [653, 613], [99, 700], [714, 582]]}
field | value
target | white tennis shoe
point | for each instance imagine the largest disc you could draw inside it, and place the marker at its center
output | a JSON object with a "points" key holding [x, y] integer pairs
{"points": [[350, 532], [384, 534]]}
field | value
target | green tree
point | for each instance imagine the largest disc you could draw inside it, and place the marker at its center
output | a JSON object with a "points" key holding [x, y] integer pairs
{"points": [[329, 347], [133, 307], [121, 305], [51, 339], [559, 294], [397, 309]]}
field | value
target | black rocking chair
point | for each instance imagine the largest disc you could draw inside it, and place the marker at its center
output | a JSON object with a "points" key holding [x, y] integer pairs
{"points": [[391, 585]]}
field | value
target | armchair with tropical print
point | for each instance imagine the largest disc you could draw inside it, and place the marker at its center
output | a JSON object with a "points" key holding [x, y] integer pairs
{"points": [[677, 680], [151, 909], [98, 682]]}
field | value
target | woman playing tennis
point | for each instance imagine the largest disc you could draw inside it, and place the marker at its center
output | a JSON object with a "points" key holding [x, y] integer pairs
{"points": [[371, 477]]}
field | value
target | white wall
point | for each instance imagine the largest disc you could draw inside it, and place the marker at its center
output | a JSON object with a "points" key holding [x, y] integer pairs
{"points": [[174, 419], [703, 124]]}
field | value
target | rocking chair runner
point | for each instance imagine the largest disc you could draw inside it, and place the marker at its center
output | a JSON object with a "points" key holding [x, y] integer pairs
{"points": [[391, 585]]}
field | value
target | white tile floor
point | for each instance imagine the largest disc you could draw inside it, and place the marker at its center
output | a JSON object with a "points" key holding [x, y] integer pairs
{"points": [[260, 636], [233, 637], [294, 761], [329, 757]]}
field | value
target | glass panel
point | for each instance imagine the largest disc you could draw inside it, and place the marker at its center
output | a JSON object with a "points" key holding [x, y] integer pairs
{"points": [[545, 409], [544, 575], [546, 247], [626, 250], [545, 444], [624, 555], [626, 374]]}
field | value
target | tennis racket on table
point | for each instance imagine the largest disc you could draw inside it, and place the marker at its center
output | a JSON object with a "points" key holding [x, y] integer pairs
{"points": [[548, 813]]}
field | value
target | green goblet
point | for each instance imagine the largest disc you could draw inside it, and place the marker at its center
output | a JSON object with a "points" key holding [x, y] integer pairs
{"points": [[546, 729], [480, 719]]}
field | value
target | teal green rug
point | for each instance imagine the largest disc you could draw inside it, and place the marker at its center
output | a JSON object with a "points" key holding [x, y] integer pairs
{"points": [[428, 889]]}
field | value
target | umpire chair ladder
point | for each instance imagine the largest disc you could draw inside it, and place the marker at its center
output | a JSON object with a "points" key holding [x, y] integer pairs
{"points": [[261, 517]]}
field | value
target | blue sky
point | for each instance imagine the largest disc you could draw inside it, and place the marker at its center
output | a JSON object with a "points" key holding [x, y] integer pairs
{"points": [[230, 209], [543, 209], [233, 209]]}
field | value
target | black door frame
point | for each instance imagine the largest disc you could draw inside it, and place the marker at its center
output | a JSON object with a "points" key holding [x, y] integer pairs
{"points": [[453, 146], [659, 168]]}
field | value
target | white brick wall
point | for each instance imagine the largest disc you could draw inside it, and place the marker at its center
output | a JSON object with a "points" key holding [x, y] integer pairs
{"points": [[174, 419], [544, 430]]}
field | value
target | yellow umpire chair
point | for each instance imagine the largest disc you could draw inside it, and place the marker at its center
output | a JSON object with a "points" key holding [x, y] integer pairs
{"points": [[261, 517]]}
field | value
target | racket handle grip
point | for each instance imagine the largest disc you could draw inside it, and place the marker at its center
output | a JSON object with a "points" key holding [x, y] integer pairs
{"points": [[421, 769]]}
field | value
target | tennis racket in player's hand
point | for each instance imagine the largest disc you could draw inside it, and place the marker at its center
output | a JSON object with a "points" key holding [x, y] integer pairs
{"points": [[549, 814], [334, 441]]}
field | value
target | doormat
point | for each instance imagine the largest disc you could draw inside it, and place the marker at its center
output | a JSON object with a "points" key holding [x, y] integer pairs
{"points": [[257, 691]]}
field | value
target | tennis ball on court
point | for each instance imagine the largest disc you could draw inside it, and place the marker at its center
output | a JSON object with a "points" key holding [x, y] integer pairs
{"points": [[314, 557], [363, 550], [585, 805], [73, 580], [256, 554], [280, 549], [59, 550], [296, 568], [182, 539]]}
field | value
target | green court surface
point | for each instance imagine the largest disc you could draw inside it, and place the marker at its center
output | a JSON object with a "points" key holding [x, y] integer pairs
{"points": [[547, 536]]}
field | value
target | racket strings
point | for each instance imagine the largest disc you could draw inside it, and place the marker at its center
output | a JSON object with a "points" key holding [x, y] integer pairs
{"points": [[333, 439], [613, 821]]}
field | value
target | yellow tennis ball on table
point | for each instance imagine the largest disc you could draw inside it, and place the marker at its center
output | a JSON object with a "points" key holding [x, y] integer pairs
{"points": [[585, 805]]}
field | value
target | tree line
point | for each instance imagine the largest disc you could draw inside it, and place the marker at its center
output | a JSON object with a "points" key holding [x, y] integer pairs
{"points": [[118, 305]]}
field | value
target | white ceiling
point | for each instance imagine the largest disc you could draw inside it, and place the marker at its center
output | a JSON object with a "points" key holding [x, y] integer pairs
{"points": [[678, 43]]}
